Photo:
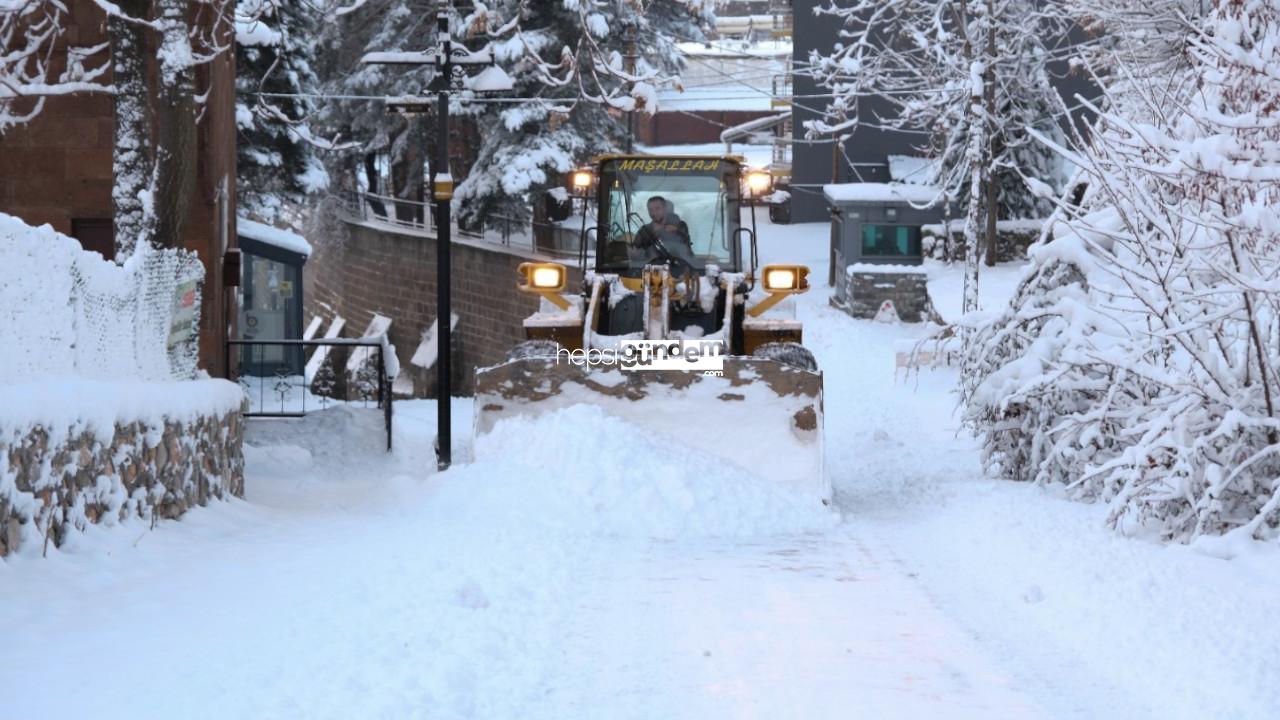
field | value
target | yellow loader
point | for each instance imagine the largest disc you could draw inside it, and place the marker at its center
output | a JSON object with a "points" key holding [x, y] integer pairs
{"points": [[674, 327]]}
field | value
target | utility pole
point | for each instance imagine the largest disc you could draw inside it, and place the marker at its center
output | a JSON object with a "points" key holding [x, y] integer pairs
{"points": [[442, 192], [629, 66], [450, 61]]}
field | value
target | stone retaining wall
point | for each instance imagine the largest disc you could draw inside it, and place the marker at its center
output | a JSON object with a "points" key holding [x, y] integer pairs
{"points": [[358, 271], [55, 480]]}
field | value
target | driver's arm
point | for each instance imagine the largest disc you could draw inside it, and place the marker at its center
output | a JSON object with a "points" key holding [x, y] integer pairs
{"points": [[644, 237]]}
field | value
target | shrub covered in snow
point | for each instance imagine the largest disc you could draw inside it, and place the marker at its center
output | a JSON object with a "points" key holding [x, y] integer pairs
{"points": [[1137, 363]]}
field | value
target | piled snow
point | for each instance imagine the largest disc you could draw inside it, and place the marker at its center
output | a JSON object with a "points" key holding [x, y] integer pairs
{"points": [[68, 312], [621, 482], [362, 585], [1017, 225], [276, 237], [97, 405], [740, 48]]}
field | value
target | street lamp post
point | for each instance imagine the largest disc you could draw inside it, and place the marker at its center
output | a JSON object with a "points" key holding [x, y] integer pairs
{"points": [[450, 61]]}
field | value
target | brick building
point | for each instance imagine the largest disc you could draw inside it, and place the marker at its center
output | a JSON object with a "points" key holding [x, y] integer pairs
{"points": [[57, 169]]}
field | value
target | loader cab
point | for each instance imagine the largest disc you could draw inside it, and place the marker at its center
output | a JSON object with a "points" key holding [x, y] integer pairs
{"points": [[691, 205]]}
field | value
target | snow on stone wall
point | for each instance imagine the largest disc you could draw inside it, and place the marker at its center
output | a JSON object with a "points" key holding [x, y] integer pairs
{"points": [[68, 312], [101, 420], [81, 452]]}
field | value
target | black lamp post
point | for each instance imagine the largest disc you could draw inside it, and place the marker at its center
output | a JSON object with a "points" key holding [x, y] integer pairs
{"points": [[450, 61]]}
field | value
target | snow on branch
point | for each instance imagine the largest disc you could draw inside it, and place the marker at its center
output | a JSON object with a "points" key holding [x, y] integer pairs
{"points": [[1137, 364], [33, 66]]}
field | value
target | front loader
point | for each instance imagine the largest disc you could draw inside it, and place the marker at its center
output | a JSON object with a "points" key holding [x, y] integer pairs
{"points": [[674, 328]]}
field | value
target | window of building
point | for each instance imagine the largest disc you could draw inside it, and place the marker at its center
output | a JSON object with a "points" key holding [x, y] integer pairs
{"points": [[96, 234], [890, 241]]}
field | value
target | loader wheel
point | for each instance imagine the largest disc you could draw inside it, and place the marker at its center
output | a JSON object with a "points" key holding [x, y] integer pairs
{"points": [[534, 349], [788, 353]]}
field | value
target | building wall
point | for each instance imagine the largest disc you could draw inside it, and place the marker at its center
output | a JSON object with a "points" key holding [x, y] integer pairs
{"points": [[58, 168], [863, 157], [694, 126], [357, 271]]}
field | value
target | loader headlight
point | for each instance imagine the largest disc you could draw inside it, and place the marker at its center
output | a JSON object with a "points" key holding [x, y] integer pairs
{"points": [[581, 181], [543, 277], [758, 182], [786, 278]]}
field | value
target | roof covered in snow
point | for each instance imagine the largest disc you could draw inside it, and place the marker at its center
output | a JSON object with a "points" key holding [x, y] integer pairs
{"points": [[283, 239], [729, 96], [879, 192]]}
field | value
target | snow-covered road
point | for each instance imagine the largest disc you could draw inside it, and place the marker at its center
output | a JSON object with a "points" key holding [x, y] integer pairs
{"points": [[805, 627], [547, 581]]}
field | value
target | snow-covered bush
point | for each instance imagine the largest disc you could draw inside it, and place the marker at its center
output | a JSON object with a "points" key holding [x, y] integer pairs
{"points": [[1137, 362]]}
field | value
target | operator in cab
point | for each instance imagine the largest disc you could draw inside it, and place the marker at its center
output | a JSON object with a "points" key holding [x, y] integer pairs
{"points": [[668, 230]]}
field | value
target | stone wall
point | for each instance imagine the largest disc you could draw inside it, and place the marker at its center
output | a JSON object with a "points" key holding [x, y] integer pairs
{"points": [[57, 479], [358, 270], [865, 291]]}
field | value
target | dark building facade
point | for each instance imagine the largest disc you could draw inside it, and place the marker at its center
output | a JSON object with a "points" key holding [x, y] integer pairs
{"points": [[864, 155]]}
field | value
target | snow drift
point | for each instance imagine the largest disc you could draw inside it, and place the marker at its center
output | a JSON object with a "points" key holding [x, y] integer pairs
{"points": [[580, 470]]}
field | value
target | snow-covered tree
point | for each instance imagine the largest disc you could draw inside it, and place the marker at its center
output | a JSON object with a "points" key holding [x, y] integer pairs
{"points": [[343, 39], [572, 78], [970, 76], [276, 164], [1138, 361], [32, 68], [154, 159], [570, 58]]}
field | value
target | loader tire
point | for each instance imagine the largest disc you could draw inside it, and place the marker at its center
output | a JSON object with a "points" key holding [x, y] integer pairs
{"points": [[534, 349], [788, 353]]}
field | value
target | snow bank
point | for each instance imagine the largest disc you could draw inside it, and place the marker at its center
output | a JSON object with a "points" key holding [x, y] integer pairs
{"points": [[890, 268], [581, 471], [69, 312], [98, 405]]}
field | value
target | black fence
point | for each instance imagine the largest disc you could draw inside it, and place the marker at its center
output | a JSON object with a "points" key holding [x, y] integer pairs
{"points": [[273, 375]]}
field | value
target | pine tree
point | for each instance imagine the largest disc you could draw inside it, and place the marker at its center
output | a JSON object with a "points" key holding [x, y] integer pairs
{"points": [[571, 57], [276, 164], [566, 56]]}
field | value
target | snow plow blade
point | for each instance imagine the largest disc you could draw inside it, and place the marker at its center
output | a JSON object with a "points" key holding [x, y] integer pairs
{"points": [[761, 415]]}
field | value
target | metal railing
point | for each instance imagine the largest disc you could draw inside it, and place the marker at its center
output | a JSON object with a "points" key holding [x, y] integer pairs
{"points": [[415, 217], [410, 215], [276, 383]]}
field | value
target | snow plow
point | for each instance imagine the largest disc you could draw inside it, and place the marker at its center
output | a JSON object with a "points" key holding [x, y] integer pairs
{"points": [[674, 328]]}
